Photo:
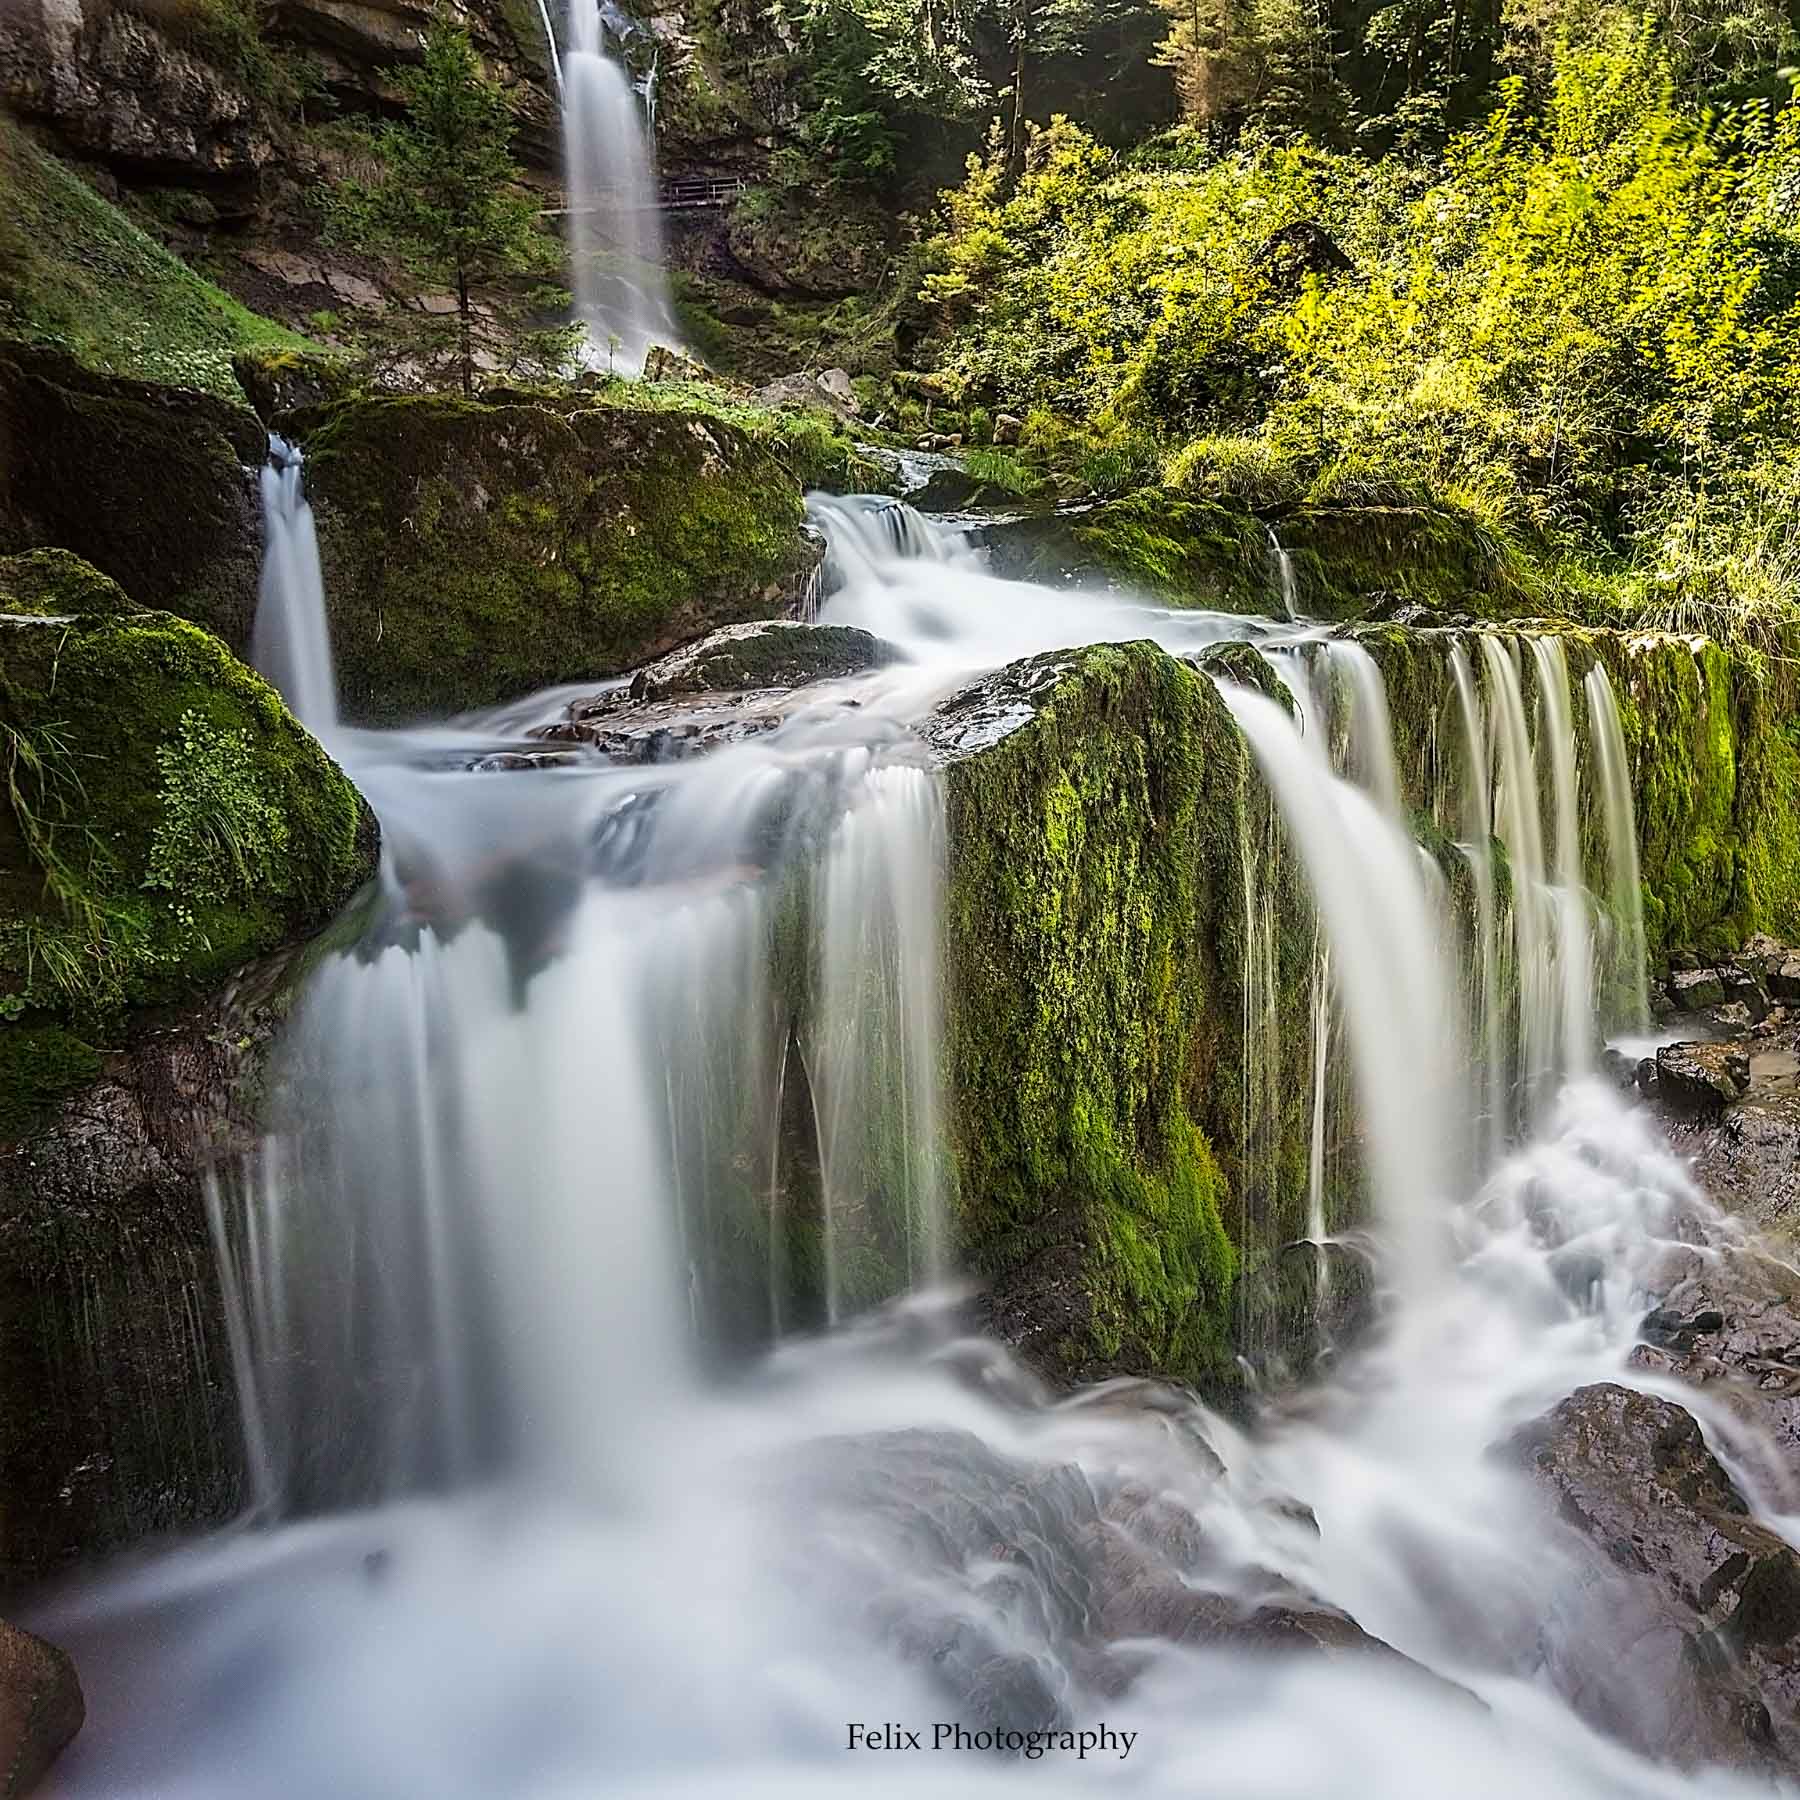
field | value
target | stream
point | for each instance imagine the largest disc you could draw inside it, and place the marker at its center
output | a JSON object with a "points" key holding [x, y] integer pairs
{"points": [[566, 1482]]}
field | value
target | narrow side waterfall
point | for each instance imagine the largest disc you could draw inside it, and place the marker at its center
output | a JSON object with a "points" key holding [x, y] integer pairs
{"points": [[1393, 978], [615, 222], [291, 642]]}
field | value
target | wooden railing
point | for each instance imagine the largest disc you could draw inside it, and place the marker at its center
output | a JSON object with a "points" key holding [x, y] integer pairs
{"points": [[691, 195]]}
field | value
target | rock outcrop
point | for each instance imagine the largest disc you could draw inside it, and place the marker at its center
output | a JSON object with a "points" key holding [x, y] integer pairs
{"points": [[474, 551], [153, 485], [165, 822], [1632, 1473], [1104, 817]]}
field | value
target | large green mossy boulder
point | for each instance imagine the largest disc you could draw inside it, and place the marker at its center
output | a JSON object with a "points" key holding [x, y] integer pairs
{"points": [[155, 486], [1104, 818], [163, 819], [474, 550]]}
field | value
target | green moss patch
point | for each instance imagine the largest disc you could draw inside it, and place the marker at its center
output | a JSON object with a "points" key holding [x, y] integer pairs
{"points": [[77, 275]]}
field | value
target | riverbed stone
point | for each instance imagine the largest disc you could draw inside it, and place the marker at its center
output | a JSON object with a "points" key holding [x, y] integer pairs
{"points": [[1632, 1473], [1705, 1076], [1692, 989], [41, 1709]]}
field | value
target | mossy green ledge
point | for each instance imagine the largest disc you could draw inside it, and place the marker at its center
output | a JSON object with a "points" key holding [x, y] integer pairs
{"points": [[1343, 562], [1712, 735], [1101, 811], [475, 550]]}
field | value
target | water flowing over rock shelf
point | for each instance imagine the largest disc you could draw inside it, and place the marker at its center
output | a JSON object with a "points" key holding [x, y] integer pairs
{"points": [[1229, 995]]}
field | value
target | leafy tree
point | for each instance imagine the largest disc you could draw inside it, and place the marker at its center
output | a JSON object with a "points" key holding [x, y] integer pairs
{"points": [[448, 203]]}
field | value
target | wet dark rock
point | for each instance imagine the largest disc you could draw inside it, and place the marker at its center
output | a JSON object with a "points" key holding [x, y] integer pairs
{"points": [[944, 1538], [1784, 984], [1732, 1020], [1645, 1076], [1745, 987], [1692, 989], [41, 1709], [118, 1416], [779, 653], [1633, 1474], [1703, 1077]]}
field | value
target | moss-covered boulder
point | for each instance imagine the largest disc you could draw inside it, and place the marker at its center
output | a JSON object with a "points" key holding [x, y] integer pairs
{"points": [[1348, 560], [155, 486], [1184, 552], [475, 550], [1123, 1189], [163, 820]]}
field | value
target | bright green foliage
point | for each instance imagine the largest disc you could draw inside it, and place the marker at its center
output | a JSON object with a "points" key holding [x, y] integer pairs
{"points": [[220, 833], [448, 203], [1583, 331]]}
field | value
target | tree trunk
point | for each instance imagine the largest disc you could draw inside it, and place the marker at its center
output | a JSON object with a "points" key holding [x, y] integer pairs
{"points": [[466, 325], [1015, 137]]}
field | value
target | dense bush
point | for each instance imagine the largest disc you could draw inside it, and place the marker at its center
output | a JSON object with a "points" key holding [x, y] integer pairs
{"points": [[1582, 323]]}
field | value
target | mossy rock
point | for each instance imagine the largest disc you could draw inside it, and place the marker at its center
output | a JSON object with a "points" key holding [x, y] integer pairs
{"points": [[155, 486], [165, 820], [1349, 560], [1103, 818], [474, 551], [58, 583], [282, 379], [1188, 553]]}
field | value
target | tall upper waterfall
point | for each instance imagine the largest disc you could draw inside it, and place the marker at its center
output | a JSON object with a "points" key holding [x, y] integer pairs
{"points": [[615, 230]]}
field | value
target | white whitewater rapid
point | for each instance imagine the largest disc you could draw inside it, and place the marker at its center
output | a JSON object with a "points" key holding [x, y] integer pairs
{"points": [[535, 1516]]}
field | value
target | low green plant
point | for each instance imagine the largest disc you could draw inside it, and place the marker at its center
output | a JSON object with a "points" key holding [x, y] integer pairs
{"points": [[219, 833]]}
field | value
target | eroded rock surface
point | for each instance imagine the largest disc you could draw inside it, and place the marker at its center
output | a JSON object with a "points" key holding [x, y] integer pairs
{"points": [[41, 1709]]}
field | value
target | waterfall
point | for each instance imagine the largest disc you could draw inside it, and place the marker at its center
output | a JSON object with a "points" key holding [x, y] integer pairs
{"points": [[1569, 899], [1476, 836], [615, 225], [629, 1089], [1625, 893], [1287, 589], [1393, 981], [291, 643]]}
